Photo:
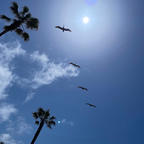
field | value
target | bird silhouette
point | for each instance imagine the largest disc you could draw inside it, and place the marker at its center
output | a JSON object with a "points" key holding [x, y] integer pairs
{"points": [[83, 88], [91, 105], [74, 65], [63, 28]]}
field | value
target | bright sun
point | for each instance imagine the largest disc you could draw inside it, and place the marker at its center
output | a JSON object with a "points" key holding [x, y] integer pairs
{"points": [[85, 20]]}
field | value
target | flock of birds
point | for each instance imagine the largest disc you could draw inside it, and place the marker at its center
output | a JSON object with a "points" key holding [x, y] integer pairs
{"points": [[75, 65]]}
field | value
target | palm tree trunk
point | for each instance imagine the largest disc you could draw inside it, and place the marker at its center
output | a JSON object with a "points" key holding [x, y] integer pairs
{"points": [[3, 32], [37, 132]]}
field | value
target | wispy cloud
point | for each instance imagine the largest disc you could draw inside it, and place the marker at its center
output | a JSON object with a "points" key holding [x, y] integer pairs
{"points": [[50, 71], [44, 71], [29, 97], [8, 139], [19, 127], [8, 52], [6, 110], [66, 122]]}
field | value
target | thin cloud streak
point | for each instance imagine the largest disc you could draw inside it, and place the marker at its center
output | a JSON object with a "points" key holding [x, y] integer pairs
{"points": [[29, 97]]}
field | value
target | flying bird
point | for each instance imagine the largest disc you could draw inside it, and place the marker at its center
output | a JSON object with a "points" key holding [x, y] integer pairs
{"points": [[91, 105], [83, 88], [63, 28], [74, 65]]}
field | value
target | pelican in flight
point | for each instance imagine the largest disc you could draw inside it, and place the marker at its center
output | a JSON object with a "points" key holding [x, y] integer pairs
{"points": [[63, 28], [83, 88], [91, 105], [74, 65]]}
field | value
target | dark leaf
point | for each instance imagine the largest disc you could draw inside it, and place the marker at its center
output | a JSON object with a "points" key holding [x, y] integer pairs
{"points": [[41, 112], [14, 9], [49, 126], [35, 115], [25, 10], [4, 17], [7, 28], [47, 113], [52, 118], [52, 123], [25, 36], [19, 31], [27, 16], [37, 122], [32, 23]]}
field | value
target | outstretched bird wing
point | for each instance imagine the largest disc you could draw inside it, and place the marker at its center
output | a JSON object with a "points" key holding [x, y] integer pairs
{"points": [[91, 105], [83, 88], [66, 29], [59, 27], [74, 64]]}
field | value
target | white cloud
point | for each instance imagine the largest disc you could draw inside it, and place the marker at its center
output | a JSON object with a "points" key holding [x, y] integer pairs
{"points": [[19, 127], [50, 71], [6, 110], [7, 53], [7, 139], [29, 97], [65, 121], [45, 74]]}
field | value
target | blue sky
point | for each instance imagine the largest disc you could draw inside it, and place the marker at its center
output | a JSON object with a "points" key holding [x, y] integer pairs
{"points": [[37, 73]]}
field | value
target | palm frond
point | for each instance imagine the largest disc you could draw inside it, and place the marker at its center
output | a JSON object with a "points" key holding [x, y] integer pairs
{"points": [[27, 16], [25, 10], [32, 23], [25, 36], [7, 28], [4, 17], [1, 142], [19, 31], [14, 9], [49, 126], [47, 114], [52, 118], [37, 122], [52, 123], [35, 115]]}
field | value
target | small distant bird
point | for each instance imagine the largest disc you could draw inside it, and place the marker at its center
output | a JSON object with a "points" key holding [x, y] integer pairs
{"points": [[83, 88], [63, 28], [91, 105], [74, 65]]}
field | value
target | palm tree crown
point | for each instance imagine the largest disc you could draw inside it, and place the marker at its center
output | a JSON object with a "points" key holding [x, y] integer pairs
{"points": [[42, 117], [21, 19]]}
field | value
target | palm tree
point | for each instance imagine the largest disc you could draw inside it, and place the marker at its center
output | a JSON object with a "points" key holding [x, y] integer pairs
{"points": [[21, 19], [42, 117]]}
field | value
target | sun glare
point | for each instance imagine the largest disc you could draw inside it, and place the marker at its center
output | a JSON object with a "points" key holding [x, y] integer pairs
{"points": [[85, 20]]}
